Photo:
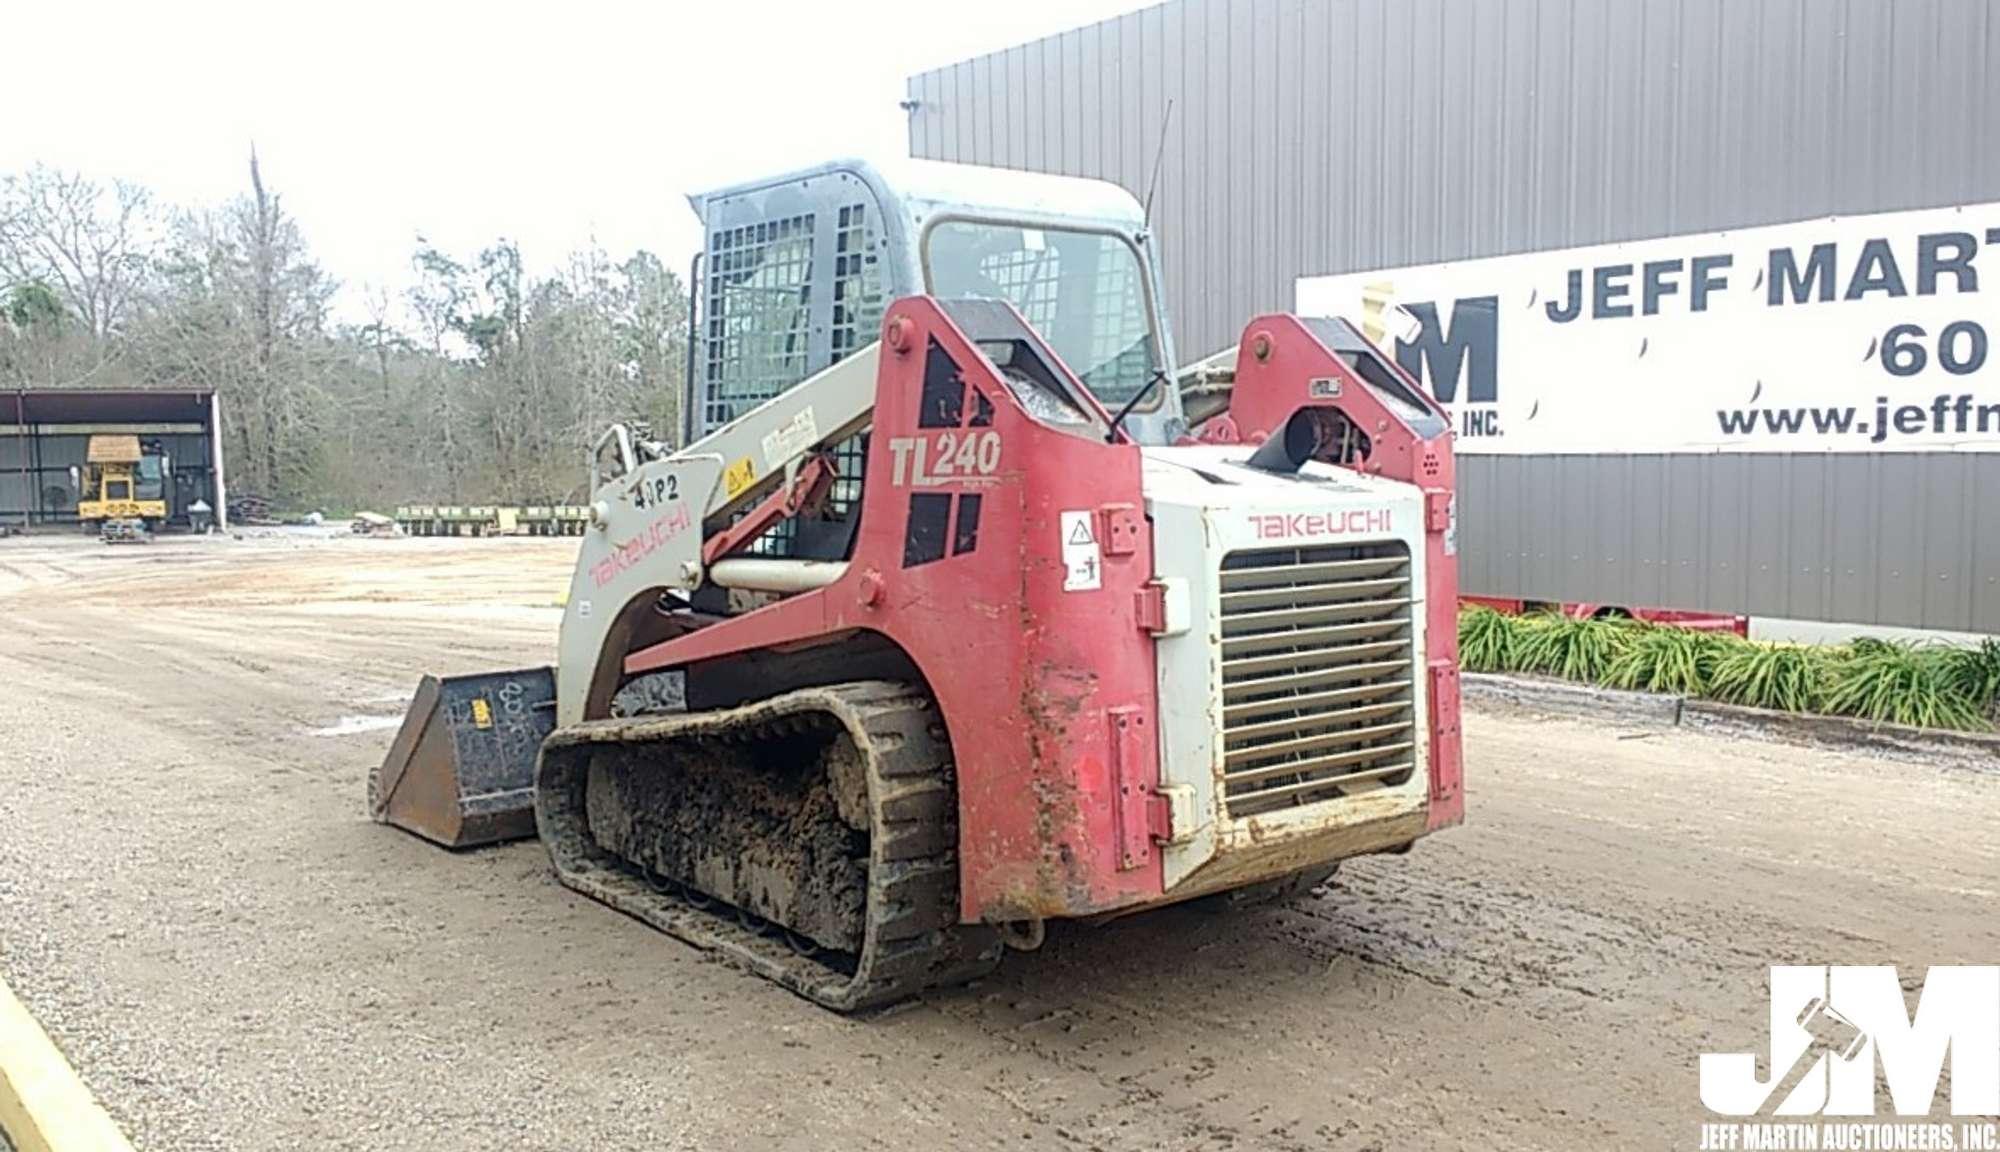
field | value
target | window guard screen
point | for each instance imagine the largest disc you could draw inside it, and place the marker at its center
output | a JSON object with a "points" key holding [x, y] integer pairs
{"points": [[1083, 293]]}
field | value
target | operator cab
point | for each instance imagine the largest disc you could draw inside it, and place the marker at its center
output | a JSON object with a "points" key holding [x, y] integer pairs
{"points": [[152, 475], [798, 269]]}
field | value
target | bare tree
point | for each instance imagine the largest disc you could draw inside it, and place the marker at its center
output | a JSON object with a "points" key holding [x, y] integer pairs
{"points": [[238, 305], [652, 330], [87, 243], [381, 337], [483, 381], [439, 302]]}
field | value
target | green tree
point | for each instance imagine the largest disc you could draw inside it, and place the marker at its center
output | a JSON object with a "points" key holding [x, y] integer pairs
{"points": [[33, 306]]}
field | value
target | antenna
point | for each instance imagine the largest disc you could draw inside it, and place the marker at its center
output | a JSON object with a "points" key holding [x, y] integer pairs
{"points": [[1159, 154]]}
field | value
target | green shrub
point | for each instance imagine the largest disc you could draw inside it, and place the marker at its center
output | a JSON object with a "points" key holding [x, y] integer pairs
{"points": [[1893, 683], [1667, 659], [1974, 673], [1572, 649], [1927, 686], [1486, 640], [1785, 677]]}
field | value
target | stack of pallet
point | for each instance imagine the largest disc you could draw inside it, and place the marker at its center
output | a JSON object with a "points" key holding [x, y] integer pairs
{"points": [[492, 520]]}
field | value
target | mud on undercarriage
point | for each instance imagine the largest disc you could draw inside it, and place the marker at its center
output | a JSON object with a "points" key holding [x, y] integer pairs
{"points": [[811, 837]]}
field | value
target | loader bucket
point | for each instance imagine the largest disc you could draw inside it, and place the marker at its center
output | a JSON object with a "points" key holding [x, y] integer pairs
{"points": [[461, 771]]}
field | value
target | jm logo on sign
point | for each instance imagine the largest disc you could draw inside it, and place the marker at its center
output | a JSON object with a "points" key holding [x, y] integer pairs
{"points": [[1833, 1027]]}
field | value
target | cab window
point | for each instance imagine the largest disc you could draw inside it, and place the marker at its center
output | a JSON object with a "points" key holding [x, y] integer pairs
{"points": [[1083, 292]]}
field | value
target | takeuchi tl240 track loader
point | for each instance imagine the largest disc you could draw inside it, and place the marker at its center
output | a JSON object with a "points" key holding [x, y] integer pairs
{"points": [[945, 624]]}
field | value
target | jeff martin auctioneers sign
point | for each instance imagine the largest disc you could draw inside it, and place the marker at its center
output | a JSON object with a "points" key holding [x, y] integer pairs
{"points": [[1850, 334]]}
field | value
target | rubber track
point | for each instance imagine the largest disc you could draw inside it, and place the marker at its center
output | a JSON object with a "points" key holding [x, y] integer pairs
{"points": [[912, 939]]}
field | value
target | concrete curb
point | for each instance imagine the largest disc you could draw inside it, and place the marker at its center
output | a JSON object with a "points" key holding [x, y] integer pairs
{"points": [[1568, 699], [1980, 749], [1649, 709], [44, 1106]]}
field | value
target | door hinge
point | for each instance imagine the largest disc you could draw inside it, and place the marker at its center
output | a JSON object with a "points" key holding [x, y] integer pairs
{"points": [[1132, 811], [1162, 606], [1447, 746], [1122, 524], [1171, 819], [1437, 509]]}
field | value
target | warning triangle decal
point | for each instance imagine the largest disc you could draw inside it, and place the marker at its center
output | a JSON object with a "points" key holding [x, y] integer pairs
{"points": [[1081, 533]]}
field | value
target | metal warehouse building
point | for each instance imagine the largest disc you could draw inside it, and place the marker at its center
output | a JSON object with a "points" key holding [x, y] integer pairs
{"points": [[1316, 137], [45, 434]]}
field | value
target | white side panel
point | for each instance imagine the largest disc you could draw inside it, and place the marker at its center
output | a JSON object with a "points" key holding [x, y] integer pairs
{"points": [[1190, 682], [1204, 505], [1389, 512], [648, 534]]}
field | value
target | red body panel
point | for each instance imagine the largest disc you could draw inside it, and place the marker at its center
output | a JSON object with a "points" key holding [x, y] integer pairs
{"points": [[1047, 678], [1282, 366], [1049, 694], [1693, 621]]}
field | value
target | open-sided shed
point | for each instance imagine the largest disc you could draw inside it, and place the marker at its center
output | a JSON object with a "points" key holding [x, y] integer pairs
{"points": [[45, 433]]}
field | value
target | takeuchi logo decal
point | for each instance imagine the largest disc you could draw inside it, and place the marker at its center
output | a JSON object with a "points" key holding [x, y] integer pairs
{"points": [[1840, 1039], [626, 554], [1287, 525]]}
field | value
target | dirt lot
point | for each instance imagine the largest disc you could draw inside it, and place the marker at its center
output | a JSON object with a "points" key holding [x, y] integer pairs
{"points": [[192, 901]]}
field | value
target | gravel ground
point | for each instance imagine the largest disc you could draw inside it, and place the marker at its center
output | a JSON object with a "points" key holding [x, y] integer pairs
{"points": [[194, 905]]}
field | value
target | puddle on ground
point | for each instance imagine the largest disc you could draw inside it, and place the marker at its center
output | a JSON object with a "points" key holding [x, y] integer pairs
{"points": [[350, 725]]}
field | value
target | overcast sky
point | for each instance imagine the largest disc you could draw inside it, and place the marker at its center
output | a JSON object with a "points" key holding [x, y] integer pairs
{"points": [[549, 122]]}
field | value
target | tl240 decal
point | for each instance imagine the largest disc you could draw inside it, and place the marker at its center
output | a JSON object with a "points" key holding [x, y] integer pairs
{"points": [[944, 458]]}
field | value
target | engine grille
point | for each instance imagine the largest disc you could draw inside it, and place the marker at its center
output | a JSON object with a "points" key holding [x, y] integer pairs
{"points": [[1317, 670]]}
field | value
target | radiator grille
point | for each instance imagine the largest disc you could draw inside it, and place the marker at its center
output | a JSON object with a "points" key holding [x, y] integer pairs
{"points": [[1317, 670]]}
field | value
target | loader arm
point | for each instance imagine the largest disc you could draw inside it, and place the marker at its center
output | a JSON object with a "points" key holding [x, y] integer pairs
{"points": [[768, 444]]}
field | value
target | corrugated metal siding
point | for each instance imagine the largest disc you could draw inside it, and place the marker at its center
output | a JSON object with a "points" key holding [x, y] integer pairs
{"points": [[1870, 539], [1327, 136]]}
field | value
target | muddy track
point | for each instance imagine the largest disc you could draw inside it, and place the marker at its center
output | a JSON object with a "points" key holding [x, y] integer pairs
{"points": [[192, 898], [889, 921]]}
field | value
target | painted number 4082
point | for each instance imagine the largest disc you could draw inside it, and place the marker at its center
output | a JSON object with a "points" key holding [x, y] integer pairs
{"points": [[948, 457]]}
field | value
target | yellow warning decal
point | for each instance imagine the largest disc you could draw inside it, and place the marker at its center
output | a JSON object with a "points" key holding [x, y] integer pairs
{"points": [[737, 477], [482, 713]]}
